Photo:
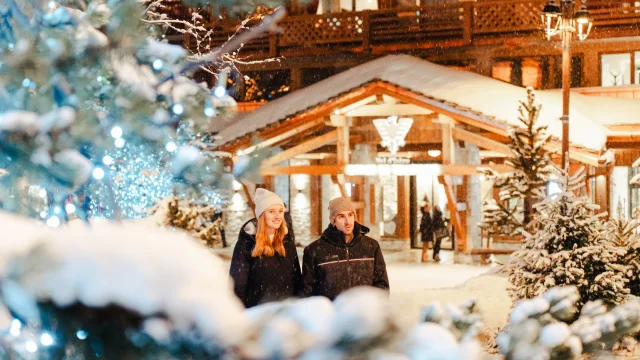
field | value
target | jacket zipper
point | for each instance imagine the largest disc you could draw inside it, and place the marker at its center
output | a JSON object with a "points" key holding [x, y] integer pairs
{"points": [[348, 267]]}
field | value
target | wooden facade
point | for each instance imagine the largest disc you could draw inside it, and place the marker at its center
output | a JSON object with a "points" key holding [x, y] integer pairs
{"points": [[500, 38]]}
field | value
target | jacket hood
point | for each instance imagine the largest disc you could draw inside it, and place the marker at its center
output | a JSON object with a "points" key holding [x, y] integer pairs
{"points": [[336, 237], [248, 230]]}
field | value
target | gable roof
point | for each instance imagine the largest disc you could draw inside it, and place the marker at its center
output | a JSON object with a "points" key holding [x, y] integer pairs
{"points": [[466, 92]]}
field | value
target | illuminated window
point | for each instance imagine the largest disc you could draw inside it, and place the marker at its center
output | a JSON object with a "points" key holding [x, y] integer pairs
{"points": [[616, 69]]}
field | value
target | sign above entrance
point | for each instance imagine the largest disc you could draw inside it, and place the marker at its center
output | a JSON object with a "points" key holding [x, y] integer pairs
{"points": [[393, 131]]}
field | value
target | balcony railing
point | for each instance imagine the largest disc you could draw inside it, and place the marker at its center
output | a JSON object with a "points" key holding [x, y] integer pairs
{"points": [[444, 24]]}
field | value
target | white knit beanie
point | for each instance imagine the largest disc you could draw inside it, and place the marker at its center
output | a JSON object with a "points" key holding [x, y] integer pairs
{"points": [[265, 198]]}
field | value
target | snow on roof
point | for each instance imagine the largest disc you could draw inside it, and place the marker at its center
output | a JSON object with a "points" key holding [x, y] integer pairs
{"points": [[461, 90], [145, 270]]}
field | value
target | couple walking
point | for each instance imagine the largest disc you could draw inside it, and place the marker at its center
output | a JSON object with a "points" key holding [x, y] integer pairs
{"points": [[265, 265], [430, 226]]}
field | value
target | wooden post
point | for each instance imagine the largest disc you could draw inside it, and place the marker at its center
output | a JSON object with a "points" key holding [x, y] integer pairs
{"points": [[516, 72], [603, 181], [467, 26], [357, 195], [342, 124], [267, 182], [296, 79], [315, 213], [448, 146], [273, 45], [484, 64], [403, 216], [366, 32], [372, 204]]}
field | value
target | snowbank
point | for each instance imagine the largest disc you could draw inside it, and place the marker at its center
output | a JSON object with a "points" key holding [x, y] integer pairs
{"points": [[144, 270]]}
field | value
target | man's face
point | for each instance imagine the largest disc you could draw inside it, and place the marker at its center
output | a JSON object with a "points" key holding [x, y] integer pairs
{"points": [[344, 222]]}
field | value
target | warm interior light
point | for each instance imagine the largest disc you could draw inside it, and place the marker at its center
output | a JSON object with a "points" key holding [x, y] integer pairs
{"points": [[434, 153]]}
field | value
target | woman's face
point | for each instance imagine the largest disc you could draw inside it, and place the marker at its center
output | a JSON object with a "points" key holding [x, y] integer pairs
{"points": [[274, 216]]}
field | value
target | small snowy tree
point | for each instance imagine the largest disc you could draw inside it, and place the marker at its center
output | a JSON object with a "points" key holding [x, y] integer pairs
{"points": [[538, 328], [570, 248], [524, 186], [197, 218], [623, 234]]}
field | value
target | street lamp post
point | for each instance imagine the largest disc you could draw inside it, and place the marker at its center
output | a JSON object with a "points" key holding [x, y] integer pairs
{"points": [[564, 20]]}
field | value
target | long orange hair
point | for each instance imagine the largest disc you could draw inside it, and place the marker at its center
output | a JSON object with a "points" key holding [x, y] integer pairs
{"points": [[263, 245]]}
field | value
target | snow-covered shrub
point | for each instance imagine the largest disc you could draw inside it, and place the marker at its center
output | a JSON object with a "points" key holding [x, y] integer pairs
{"points": [[198, 219], [539, 327], [570, 248], [360, 324], [120, 292], [463, 321]]}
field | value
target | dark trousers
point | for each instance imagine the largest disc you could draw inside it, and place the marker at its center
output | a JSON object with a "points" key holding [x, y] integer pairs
{"points": [[436, 246]]}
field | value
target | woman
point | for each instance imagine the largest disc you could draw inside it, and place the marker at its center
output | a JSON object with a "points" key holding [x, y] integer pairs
{"points": [[439, 228], [265, 264], [426, 231]]}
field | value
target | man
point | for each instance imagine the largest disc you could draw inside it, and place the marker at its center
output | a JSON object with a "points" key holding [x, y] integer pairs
{"points": [[344, 257]]}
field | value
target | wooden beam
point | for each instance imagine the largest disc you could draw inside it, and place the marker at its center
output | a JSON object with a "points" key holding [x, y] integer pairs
{"points": [[385, 110], [458, 169], [340, 180], [424, 169], [480, 141], [302, 169], [315, 156], [358, 104], [461, 232], [302, 148], [285, 135], [247, 195]]}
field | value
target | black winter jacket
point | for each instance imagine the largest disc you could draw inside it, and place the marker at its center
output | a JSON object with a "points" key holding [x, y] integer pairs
{"points": [[331, 266], [426, 227], [264, 279]]}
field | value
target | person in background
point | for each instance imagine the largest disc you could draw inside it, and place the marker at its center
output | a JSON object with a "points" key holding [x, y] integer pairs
{"points": [[344, 257], [439, 228], [426, 231], [265, 265]]}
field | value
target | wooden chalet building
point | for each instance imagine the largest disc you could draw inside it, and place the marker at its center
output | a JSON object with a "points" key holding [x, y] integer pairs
{"points": [[331, 145]]}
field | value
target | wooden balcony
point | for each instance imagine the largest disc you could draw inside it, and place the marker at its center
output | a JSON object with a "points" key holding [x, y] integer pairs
{"points": [[441, 25]]}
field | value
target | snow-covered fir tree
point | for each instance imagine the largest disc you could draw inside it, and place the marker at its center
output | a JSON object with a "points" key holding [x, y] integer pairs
{"points": [[570, 248], [525, 185], [94, 108]]}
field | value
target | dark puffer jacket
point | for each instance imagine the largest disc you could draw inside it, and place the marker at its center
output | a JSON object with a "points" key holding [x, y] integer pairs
{"points": [[331, 266], [264, 279]]}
